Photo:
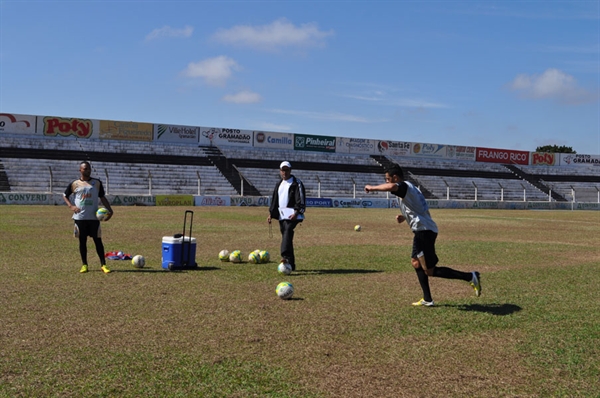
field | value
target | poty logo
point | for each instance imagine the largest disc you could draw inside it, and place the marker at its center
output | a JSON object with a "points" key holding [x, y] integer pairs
{"points": [[542, 158], [54, 126]]}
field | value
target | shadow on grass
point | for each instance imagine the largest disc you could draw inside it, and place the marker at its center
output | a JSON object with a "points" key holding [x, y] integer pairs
{"points": [[494, 309], [162, 270], [335, 271]]}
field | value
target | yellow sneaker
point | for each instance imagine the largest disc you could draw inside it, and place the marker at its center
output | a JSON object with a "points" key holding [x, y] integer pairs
{"points": [[83, 268], [476, 283], [105, 269], [423, 303]]}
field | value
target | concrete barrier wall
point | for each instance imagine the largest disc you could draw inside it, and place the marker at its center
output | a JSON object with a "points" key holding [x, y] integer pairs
{"points": [[9, 198]]}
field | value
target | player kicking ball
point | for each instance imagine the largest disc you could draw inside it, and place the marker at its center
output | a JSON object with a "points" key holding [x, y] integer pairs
{"points": [[416, 213]]}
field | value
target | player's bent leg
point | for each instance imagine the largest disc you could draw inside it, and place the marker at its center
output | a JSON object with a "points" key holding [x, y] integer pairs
{"points": [[423, 264]]}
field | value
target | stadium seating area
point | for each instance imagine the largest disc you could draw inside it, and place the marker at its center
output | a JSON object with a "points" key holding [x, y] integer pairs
{"points": [[32, 164]]}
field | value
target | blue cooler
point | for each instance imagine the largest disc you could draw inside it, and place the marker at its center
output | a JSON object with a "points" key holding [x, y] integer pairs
{"points": [[172, 249]]}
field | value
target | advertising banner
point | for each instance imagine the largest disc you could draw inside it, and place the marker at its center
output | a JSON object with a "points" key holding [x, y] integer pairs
{"points": [[460, 152], [317, 143], [250, 201], [572, 159], [52, 126], [393, 148], [14, 198], [543, 159], [212, 201], [211, 136], [17, 124], [356, 145], [506, 156], [361, 203], [128, 131], [429, 150], [319, 202], [265, 139], [133, 200], [174, 200], [176, 134]]}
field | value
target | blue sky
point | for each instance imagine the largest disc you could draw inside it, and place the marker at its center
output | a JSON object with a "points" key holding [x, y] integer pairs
{"points": [[502, 74]]}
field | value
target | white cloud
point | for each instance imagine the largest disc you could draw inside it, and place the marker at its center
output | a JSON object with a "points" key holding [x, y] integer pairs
{"points": [[280, 33], [215, 71], [243, 97], [552, 84], [333, 116], [167, 31]]}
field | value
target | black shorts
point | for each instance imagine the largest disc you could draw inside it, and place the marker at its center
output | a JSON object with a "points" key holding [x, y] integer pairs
{"points": [[85, 228], [424, 241]]}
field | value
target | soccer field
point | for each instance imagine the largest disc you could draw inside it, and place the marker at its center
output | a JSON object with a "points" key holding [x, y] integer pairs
{"points": [[349, 330]]}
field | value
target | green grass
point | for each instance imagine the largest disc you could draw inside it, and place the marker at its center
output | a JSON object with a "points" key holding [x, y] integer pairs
{"points": [[349, 330]]}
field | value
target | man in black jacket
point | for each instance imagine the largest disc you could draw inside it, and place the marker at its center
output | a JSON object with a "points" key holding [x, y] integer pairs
{"points": [[287, 205]]}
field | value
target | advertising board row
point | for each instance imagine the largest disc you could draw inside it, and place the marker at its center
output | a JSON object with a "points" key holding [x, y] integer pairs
{"points": [[9, 198], [77, 128]]}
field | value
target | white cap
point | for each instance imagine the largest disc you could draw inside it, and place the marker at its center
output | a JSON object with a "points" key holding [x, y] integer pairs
{"points": [[285, 164]]}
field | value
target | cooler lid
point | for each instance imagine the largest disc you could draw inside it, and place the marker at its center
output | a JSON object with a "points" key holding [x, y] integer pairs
{"points": [[170, 239]]}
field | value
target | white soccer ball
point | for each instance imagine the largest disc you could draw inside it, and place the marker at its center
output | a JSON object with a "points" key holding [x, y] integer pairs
{"points": [[138, 261], [264, 256], [224, 255], [284, 268], [253, 258], [235, 256], [102, 213], [285, 290], [357, 228]]}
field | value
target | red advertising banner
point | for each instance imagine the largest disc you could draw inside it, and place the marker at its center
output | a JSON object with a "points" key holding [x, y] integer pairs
{"points": [[505, 156], [543, 159]]}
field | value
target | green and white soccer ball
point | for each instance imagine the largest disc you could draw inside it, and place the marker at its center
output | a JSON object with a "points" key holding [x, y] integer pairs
{"points": [[224, 255], [138, 261], [264, 256], [285, 290], [284, 268], [253, 258], [235, 256]]}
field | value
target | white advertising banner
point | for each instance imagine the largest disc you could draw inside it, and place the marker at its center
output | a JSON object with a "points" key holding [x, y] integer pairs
{"points": [[394, 148], [356, 145], [176, 134], [12, 123], [429, 150], [572, 159], [211, 136], [460, 152], [212, 201], [268, 140]]}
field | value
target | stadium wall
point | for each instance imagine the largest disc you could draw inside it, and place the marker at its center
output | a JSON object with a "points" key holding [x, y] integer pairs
{"points": [[8, 198]]}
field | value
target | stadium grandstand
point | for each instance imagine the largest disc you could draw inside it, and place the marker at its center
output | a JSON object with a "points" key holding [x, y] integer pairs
{"points": [[41, 163]]}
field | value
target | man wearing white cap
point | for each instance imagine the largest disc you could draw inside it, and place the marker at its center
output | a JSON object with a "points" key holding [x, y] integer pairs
{"points": [[287, 205]]}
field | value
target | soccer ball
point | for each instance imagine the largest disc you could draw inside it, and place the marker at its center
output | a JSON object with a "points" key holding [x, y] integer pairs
{"points": [[285, 290], [284, 268], [224, 255], [357, 228], [138, 261], [264, 256], [235, 256], [102, 213], [253, 258]]}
